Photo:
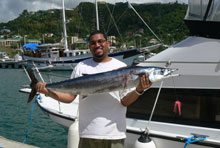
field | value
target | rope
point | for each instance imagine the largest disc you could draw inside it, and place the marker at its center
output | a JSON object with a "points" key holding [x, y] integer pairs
{"points": [[147, 130], [115, 25], [193, 139], [130, 6], [30, 123]]}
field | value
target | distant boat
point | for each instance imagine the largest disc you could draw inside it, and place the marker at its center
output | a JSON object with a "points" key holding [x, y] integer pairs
{"points": [[53, 55], [11, 63], [57, 56]]}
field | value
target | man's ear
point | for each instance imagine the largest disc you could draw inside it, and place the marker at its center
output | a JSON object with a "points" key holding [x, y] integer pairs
{"points": [[108, 42]]}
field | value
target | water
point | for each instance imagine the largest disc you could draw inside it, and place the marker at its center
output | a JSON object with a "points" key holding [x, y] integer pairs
{"points": [[15, 114]]}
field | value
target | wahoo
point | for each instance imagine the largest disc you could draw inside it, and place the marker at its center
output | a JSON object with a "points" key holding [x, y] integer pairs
{"points": [[114, 80]]}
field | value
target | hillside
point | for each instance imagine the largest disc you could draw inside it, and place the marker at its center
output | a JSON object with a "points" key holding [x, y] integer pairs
{"points": [[166, 20]]}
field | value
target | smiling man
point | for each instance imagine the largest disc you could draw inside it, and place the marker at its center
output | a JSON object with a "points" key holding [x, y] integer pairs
{"points": [[102, 120], [99, 46]]}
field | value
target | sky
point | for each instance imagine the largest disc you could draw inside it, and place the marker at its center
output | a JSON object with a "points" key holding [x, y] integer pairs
{"points": [[10, 9]]}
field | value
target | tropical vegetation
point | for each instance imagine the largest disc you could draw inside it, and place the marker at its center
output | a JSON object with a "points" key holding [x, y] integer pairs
{"points": [[166, 20]]}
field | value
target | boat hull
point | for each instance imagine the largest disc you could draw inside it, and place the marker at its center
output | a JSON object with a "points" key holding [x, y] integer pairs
{"points": [[162, 133], [68, 63]]}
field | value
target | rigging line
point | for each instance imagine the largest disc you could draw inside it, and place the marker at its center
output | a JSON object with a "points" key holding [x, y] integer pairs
{"points": [[78, 27], [55, 75], [82, 19], [144, 22], [147, 130], [119, 18], [116, 26], [110, 17]]}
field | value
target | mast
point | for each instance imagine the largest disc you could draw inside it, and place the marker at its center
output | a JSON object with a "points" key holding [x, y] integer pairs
{"points": [[64, 28], [97, 15]]}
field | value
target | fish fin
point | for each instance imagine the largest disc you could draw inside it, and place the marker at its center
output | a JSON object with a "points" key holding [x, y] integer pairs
{"points": [[31, 96], [32, 85]]}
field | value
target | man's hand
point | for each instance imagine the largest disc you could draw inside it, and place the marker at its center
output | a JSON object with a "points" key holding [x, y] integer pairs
{"points": [[40, 87], [143, 84]]}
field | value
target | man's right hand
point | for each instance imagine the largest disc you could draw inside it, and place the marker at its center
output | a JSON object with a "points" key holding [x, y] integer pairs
{"points": [[40, 87]]}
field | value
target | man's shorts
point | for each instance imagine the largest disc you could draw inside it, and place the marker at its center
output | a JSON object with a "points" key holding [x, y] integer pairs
{"points": [[100, 143]]}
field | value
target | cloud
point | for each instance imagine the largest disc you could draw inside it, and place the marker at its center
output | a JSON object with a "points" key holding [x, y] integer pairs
{"points": [[10, 9]]}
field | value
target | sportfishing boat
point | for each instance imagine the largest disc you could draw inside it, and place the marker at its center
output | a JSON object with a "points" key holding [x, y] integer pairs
{"points": [[185, 112]]}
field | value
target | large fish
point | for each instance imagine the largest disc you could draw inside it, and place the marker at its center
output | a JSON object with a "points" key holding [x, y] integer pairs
{"points": [[118, 79]]}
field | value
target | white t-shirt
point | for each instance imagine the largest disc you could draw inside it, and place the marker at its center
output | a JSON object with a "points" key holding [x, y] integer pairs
{"points": [[101, 116]]}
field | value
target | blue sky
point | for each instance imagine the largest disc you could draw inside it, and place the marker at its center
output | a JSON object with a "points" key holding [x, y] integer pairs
{"points": [[10, 9]]}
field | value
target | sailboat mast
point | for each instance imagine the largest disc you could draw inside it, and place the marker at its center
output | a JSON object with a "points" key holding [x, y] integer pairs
{"points": [[64, 28], [97, 15]]}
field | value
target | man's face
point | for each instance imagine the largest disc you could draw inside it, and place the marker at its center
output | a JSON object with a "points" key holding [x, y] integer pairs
{"points": [[98, 47]]}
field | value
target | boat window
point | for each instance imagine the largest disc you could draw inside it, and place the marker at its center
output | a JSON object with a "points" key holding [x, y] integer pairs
{"points": [[70, 54], [197, 107]]}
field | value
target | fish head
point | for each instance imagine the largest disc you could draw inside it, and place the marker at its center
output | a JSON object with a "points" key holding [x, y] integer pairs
{"points": [[159, 74]]}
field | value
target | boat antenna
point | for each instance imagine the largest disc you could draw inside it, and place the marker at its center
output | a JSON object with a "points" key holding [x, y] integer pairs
{"points": [[129, 4], [64, 27]]}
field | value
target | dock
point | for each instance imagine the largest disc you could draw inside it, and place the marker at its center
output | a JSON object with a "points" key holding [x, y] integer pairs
{"points": [[6, 143], [12, 64]]}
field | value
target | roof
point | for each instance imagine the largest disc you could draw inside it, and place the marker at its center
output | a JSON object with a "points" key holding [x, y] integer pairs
{"points": [[31, 46]]}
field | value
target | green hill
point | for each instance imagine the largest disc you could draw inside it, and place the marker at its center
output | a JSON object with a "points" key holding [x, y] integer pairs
{"points": [[166, 20]]}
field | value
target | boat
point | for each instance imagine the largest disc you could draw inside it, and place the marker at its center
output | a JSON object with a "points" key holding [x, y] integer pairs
{"points": [[57, 56], [185, 112], [53, 56], [11, 63]]}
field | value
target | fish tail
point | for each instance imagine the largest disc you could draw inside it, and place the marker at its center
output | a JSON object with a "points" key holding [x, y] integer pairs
{"points": [[32, 85]]}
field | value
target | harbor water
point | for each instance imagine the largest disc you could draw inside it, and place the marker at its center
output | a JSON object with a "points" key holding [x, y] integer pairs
{"points": [[15, 113]]}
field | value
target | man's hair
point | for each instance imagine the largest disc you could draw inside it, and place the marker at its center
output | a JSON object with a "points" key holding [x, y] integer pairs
{"points": [[98, 32]]}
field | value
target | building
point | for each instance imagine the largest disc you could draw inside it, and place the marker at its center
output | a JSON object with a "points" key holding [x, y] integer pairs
{"points": [[10, 41], [112, 39], [16, 41], [153, 41]]}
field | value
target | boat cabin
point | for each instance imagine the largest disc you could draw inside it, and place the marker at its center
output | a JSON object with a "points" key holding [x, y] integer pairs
{"points": [[53, 51]]}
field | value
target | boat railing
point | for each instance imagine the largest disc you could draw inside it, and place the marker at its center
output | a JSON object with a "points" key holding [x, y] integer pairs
{"points": [[180, 62]]}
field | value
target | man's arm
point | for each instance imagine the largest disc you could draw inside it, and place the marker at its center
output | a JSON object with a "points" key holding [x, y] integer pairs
{"points": [[133, 96], [62, 97]]}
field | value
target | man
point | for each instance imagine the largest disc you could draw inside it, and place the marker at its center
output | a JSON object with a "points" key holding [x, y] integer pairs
{"points": [[102, 122]]}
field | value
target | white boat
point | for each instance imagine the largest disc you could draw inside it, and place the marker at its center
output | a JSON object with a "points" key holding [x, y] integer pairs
{"points": [[185, 113], [187, 105], [6, 62]]}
